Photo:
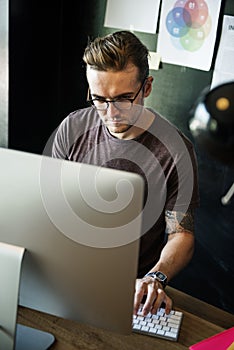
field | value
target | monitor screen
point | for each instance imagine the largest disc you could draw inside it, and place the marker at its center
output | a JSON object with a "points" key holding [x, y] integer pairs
{"points": [[80, 225]]}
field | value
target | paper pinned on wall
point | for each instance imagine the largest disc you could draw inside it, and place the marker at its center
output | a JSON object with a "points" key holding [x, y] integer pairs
{"points": [[187, 32], [224, 67], [154, 60], [134, 15]]}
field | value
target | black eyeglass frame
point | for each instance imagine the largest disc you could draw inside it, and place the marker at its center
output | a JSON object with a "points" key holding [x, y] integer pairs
{"points": [[131, 100]]}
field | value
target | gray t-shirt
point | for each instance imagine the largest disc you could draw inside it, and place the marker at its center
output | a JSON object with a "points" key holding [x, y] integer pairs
{"points": [[162, 155]]}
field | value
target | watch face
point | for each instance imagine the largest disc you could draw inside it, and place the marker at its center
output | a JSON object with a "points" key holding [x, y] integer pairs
{"points": [[158, 275], [161, 276]]}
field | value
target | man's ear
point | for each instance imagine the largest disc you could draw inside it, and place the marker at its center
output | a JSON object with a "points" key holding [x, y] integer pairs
{"points": [[148, 86]]}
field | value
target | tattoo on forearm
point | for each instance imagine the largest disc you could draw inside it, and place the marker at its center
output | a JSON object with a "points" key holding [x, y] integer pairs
{"points": [[177, 221]]}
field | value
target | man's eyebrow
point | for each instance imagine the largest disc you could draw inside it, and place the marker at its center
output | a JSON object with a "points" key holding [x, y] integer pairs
{"points": [[118, 96], [97, 96]]}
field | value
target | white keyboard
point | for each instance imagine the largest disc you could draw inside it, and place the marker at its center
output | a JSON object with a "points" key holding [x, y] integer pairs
{"points": [[159, 325]]}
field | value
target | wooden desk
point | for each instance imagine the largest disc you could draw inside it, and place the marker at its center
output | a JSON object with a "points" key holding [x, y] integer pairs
{"points": [[200, 321]]}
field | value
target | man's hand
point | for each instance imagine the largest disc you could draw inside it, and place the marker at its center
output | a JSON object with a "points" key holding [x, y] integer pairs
{"points": [[155, 296]]}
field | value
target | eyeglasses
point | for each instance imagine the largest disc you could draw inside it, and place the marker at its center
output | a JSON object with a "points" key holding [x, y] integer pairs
{"points": [[119, 102]]}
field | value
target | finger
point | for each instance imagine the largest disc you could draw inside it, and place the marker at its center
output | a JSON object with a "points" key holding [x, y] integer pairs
{"points": [[162, 298], [151, 296], [139, 294], [168, 306]]}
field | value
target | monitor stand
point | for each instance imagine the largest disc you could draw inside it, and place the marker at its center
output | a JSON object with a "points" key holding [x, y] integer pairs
{"points": [[15, 336], [28, 338]]}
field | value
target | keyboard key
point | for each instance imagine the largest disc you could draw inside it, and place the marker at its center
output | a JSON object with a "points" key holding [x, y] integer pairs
{"points": [[136, 326]]}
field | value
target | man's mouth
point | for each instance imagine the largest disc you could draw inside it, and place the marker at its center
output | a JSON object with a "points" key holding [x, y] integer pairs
{"points": [[115, 122]]}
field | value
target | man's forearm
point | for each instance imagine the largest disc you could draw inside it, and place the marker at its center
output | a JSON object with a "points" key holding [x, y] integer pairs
{"points": [[176, 254]]}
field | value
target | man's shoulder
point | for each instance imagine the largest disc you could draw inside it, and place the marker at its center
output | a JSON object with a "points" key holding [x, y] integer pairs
{"points": [[83, 115], [168, 133], [78, 123]]}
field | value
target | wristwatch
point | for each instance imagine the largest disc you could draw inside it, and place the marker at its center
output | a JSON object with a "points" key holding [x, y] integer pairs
{"points": [[159, 276]]}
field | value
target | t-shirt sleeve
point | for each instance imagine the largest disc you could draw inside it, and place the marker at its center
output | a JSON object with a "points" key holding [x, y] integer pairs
{"points": [[60, 146], [183, 190]]}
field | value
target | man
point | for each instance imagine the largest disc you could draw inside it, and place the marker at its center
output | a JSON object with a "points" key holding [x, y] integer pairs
{"points": [[117, 131]]}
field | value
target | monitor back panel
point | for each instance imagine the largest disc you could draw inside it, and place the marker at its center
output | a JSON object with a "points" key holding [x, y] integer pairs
{"points": [[81, 259]]}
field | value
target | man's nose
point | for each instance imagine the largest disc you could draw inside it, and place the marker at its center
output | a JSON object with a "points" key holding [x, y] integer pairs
{"points": [[112, 110]]}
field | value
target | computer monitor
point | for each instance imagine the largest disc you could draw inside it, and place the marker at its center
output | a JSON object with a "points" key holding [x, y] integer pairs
{"points": [[80, 226]]}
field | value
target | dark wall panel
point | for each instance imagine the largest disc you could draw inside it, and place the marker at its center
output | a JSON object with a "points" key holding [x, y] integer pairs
{"points": [[47, 79], [34, 65]]}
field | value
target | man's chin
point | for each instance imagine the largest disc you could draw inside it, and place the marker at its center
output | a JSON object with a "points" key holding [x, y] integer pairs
{"points": [[118, 129]]}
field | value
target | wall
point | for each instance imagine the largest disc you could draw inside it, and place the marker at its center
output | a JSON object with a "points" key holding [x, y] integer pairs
{"points": [[47, 81]]}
